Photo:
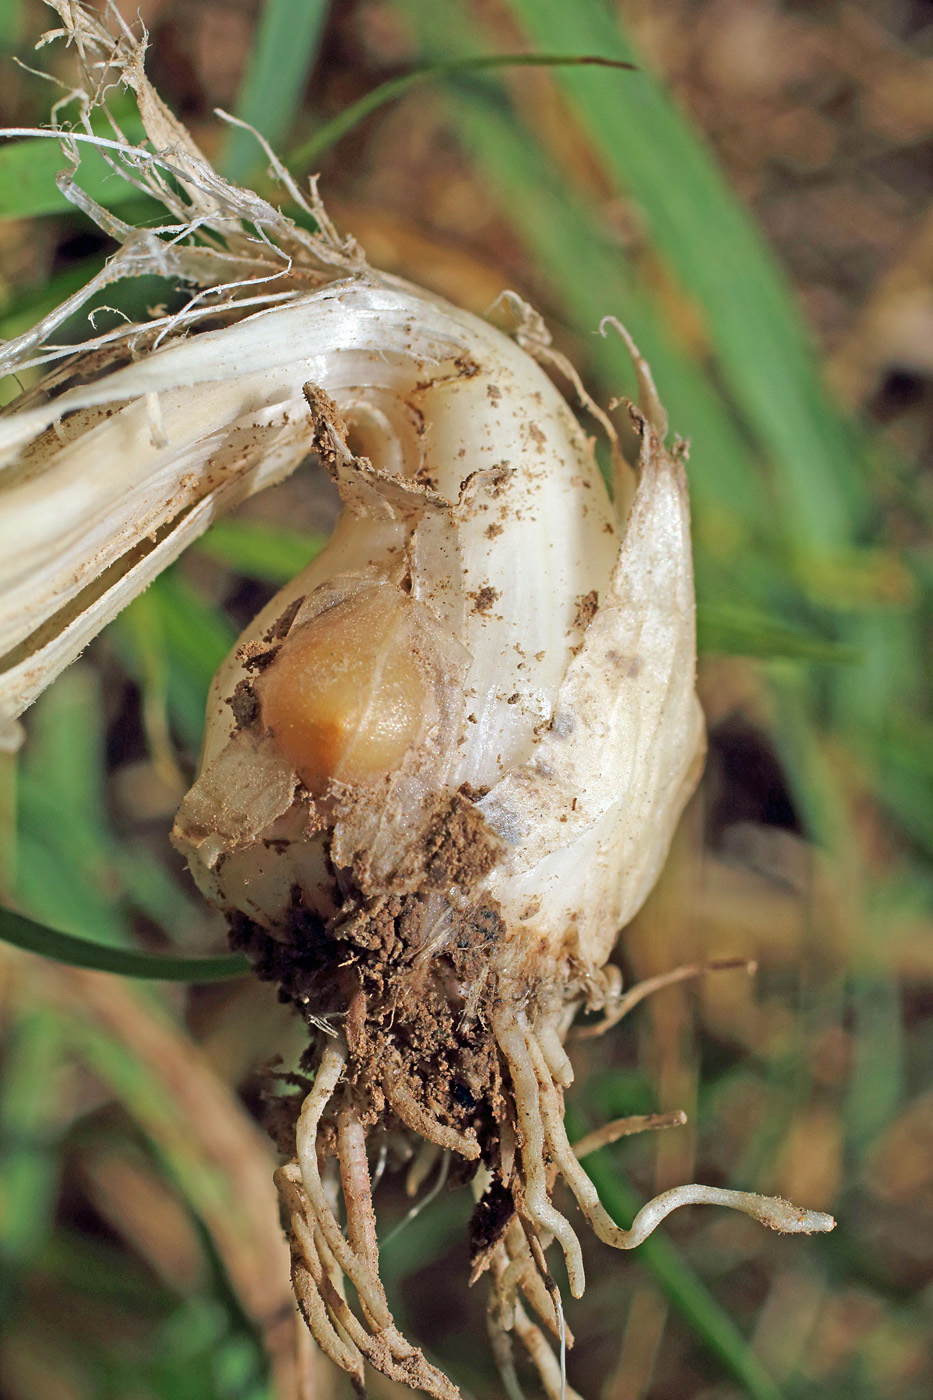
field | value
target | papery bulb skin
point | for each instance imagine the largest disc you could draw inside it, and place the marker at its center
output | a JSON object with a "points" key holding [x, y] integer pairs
{"points": [[346, 699]]}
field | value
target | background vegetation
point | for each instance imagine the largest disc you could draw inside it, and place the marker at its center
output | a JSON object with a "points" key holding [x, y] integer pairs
{"points": [[139, 1244]]}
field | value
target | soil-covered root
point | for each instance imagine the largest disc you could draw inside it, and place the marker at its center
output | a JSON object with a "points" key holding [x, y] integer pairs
{"points": [[513, 1131], [324, 1257]]}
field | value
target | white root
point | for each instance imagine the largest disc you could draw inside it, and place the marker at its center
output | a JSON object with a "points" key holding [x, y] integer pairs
{"points": [[308, 1280], [558, 1060], [777, 1214], [356, 1270], [355, 1178], [523, 1271], [416, 1116], [535, 1196], [327, 1255]]}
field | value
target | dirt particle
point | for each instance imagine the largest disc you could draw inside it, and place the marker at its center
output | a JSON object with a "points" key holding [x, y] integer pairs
{"points": [[587, 605], [325, 421], [256, 656], [459, 848], [491, 531], [484, 598], [244, 702], [471, 793]]}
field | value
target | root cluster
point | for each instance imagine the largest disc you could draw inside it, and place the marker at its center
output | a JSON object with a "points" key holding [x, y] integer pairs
{"points": [[446, 1050]]}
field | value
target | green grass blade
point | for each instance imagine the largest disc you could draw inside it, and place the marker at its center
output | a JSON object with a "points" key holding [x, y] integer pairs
{"points": [[65, 869], [196, 637], [30, 1102], [12, 24], [738, 631], [714, 250], [270, 553], [28, 168], [333, 131], [271, 96], [125, 962]]}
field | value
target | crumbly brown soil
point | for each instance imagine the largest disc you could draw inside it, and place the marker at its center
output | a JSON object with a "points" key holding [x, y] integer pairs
{"points": [[403, 1016], [411, 995]]}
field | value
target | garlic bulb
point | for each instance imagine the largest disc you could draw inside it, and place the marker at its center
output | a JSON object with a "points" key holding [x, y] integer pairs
{"points": [[442, 768]]}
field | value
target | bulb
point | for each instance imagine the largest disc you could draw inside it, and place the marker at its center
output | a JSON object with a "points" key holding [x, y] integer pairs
{"points": [[345, 699]]}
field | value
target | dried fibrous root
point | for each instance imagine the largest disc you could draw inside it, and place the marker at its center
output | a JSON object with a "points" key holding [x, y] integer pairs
{"points": [[626, 1127], [323, 1256], [618, 1004]]}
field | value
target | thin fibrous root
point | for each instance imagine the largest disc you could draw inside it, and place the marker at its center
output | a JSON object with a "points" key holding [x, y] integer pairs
{"points": [[777, 1214], [513, 1043], [626, 1127], [548, 1366], [634, 995]]}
